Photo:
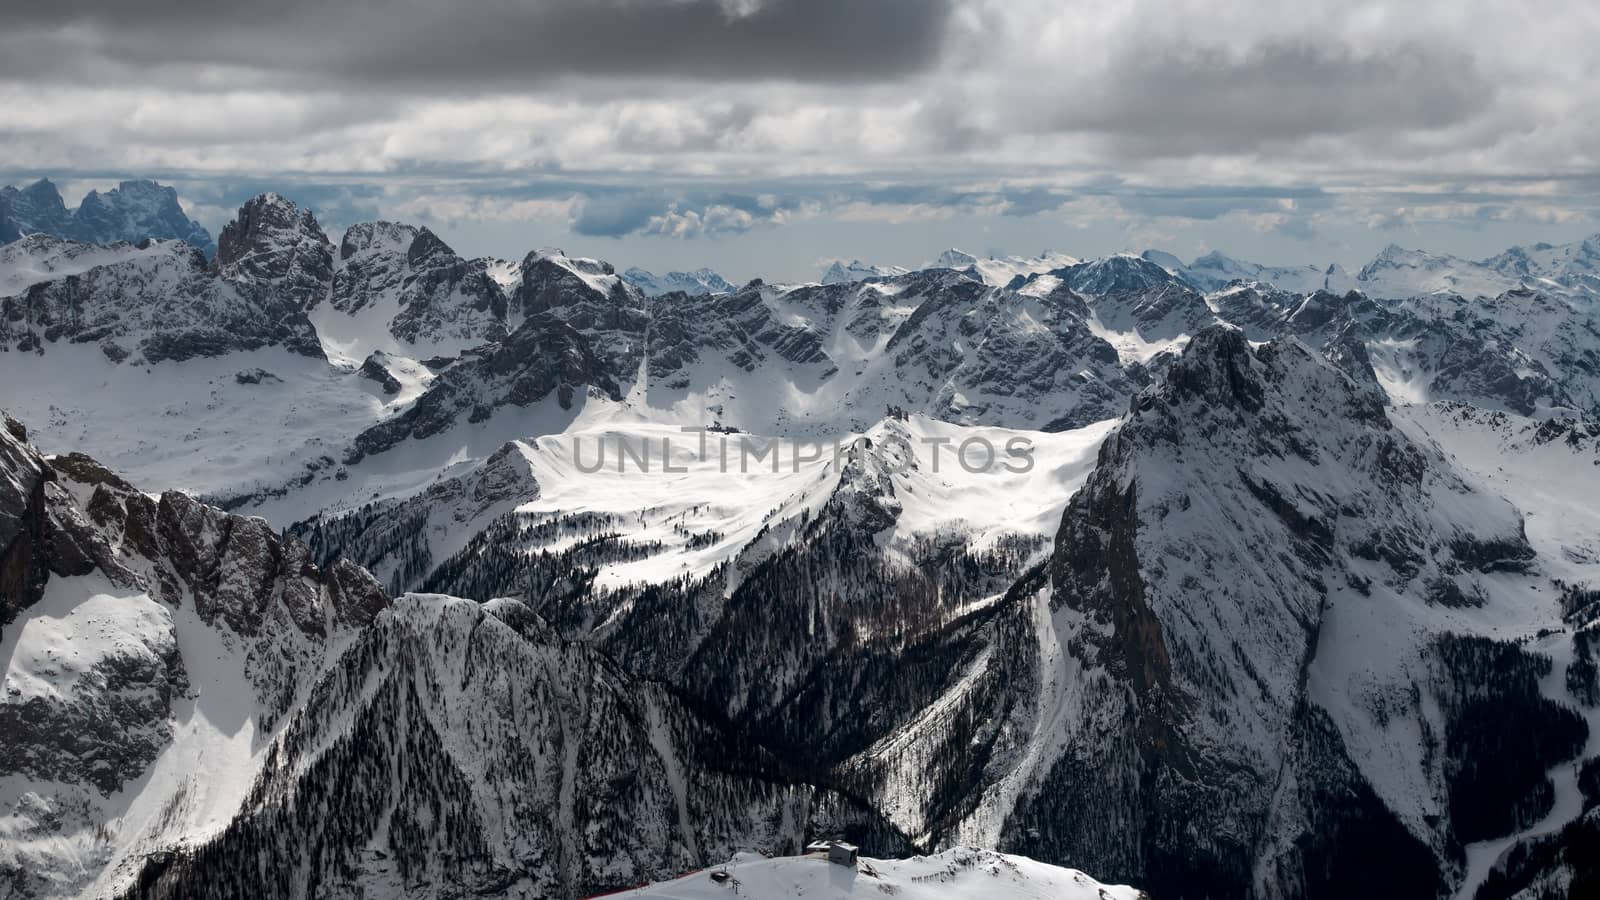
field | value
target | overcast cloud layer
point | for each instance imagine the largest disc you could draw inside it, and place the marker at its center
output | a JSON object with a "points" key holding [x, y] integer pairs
{"points": [[783, 131]]}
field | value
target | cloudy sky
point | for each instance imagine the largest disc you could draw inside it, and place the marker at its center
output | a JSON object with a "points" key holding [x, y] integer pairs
{"points": [[763, 137]]}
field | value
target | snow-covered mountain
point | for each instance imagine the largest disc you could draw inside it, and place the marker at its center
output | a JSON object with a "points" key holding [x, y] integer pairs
{"points": [[131, 212], [700, 281], [1575, 265], [1572, 268], [274, 245], [153, 302], [561, 585], [181, 686], [1215, 271], [841, 272], [1258, 575], [397, 288], [1001, 270]]}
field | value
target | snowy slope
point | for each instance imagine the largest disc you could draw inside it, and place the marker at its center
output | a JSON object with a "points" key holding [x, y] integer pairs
{"points": [[957, 874], [217, 426], [43, 257], [655, 484]]}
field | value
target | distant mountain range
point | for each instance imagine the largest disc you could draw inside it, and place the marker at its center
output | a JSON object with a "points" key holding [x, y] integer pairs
{"points": [[700, 281], [133, 211]]}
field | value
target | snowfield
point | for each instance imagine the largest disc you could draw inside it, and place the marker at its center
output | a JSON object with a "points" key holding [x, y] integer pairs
{"points": [[961, 873]]}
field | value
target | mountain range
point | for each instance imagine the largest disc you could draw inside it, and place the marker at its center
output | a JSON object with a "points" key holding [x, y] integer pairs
{"points": [[133, 211], [365, 569]]}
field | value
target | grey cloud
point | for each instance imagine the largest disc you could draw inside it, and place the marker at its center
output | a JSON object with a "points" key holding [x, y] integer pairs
{"points": [[1297, 227], [1178, 104], [608, 212], [614, 215], [508, 44], [1206, 202], [1033, 202]]}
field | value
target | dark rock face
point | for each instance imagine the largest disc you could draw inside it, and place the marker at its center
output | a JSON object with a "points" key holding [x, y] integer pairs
{"points": [[274, 246], [1200, 727], [738, 327], [116, 724], [1258, 310], [451, 297], [543, 357], [24, 560], [240, 576], [1118, 275], [394, 535], [1033, 359], [375, 368], [430, 293], [161, 303], [254, 376], [1524, 351], [586, 295], [368, 268]]}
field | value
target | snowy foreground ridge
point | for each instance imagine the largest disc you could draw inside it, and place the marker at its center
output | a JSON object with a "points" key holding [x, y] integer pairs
{"points": [[958, 874]]}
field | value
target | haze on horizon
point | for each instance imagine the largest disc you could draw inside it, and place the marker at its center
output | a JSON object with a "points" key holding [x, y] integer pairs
{"points": [[765, 137]]}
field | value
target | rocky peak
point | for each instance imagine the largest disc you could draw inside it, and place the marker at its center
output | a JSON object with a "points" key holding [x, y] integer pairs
{"points": [[159, 301], [437, 302], [1118, 274], [954, 259], [274, 244], [368, 236], [32, 209], [135, 211], [1217, 369], [425, 246], [1251, 515]]}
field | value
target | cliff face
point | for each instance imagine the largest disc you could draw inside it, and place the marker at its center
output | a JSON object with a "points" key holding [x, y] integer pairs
{"points": [[1252, 499]]}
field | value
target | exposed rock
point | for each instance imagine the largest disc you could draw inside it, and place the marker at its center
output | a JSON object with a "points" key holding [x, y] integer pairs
{"points": [[543, 357], [254, 376], [161, 300], [375, 368], [1191, 580], [273, 246]]}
